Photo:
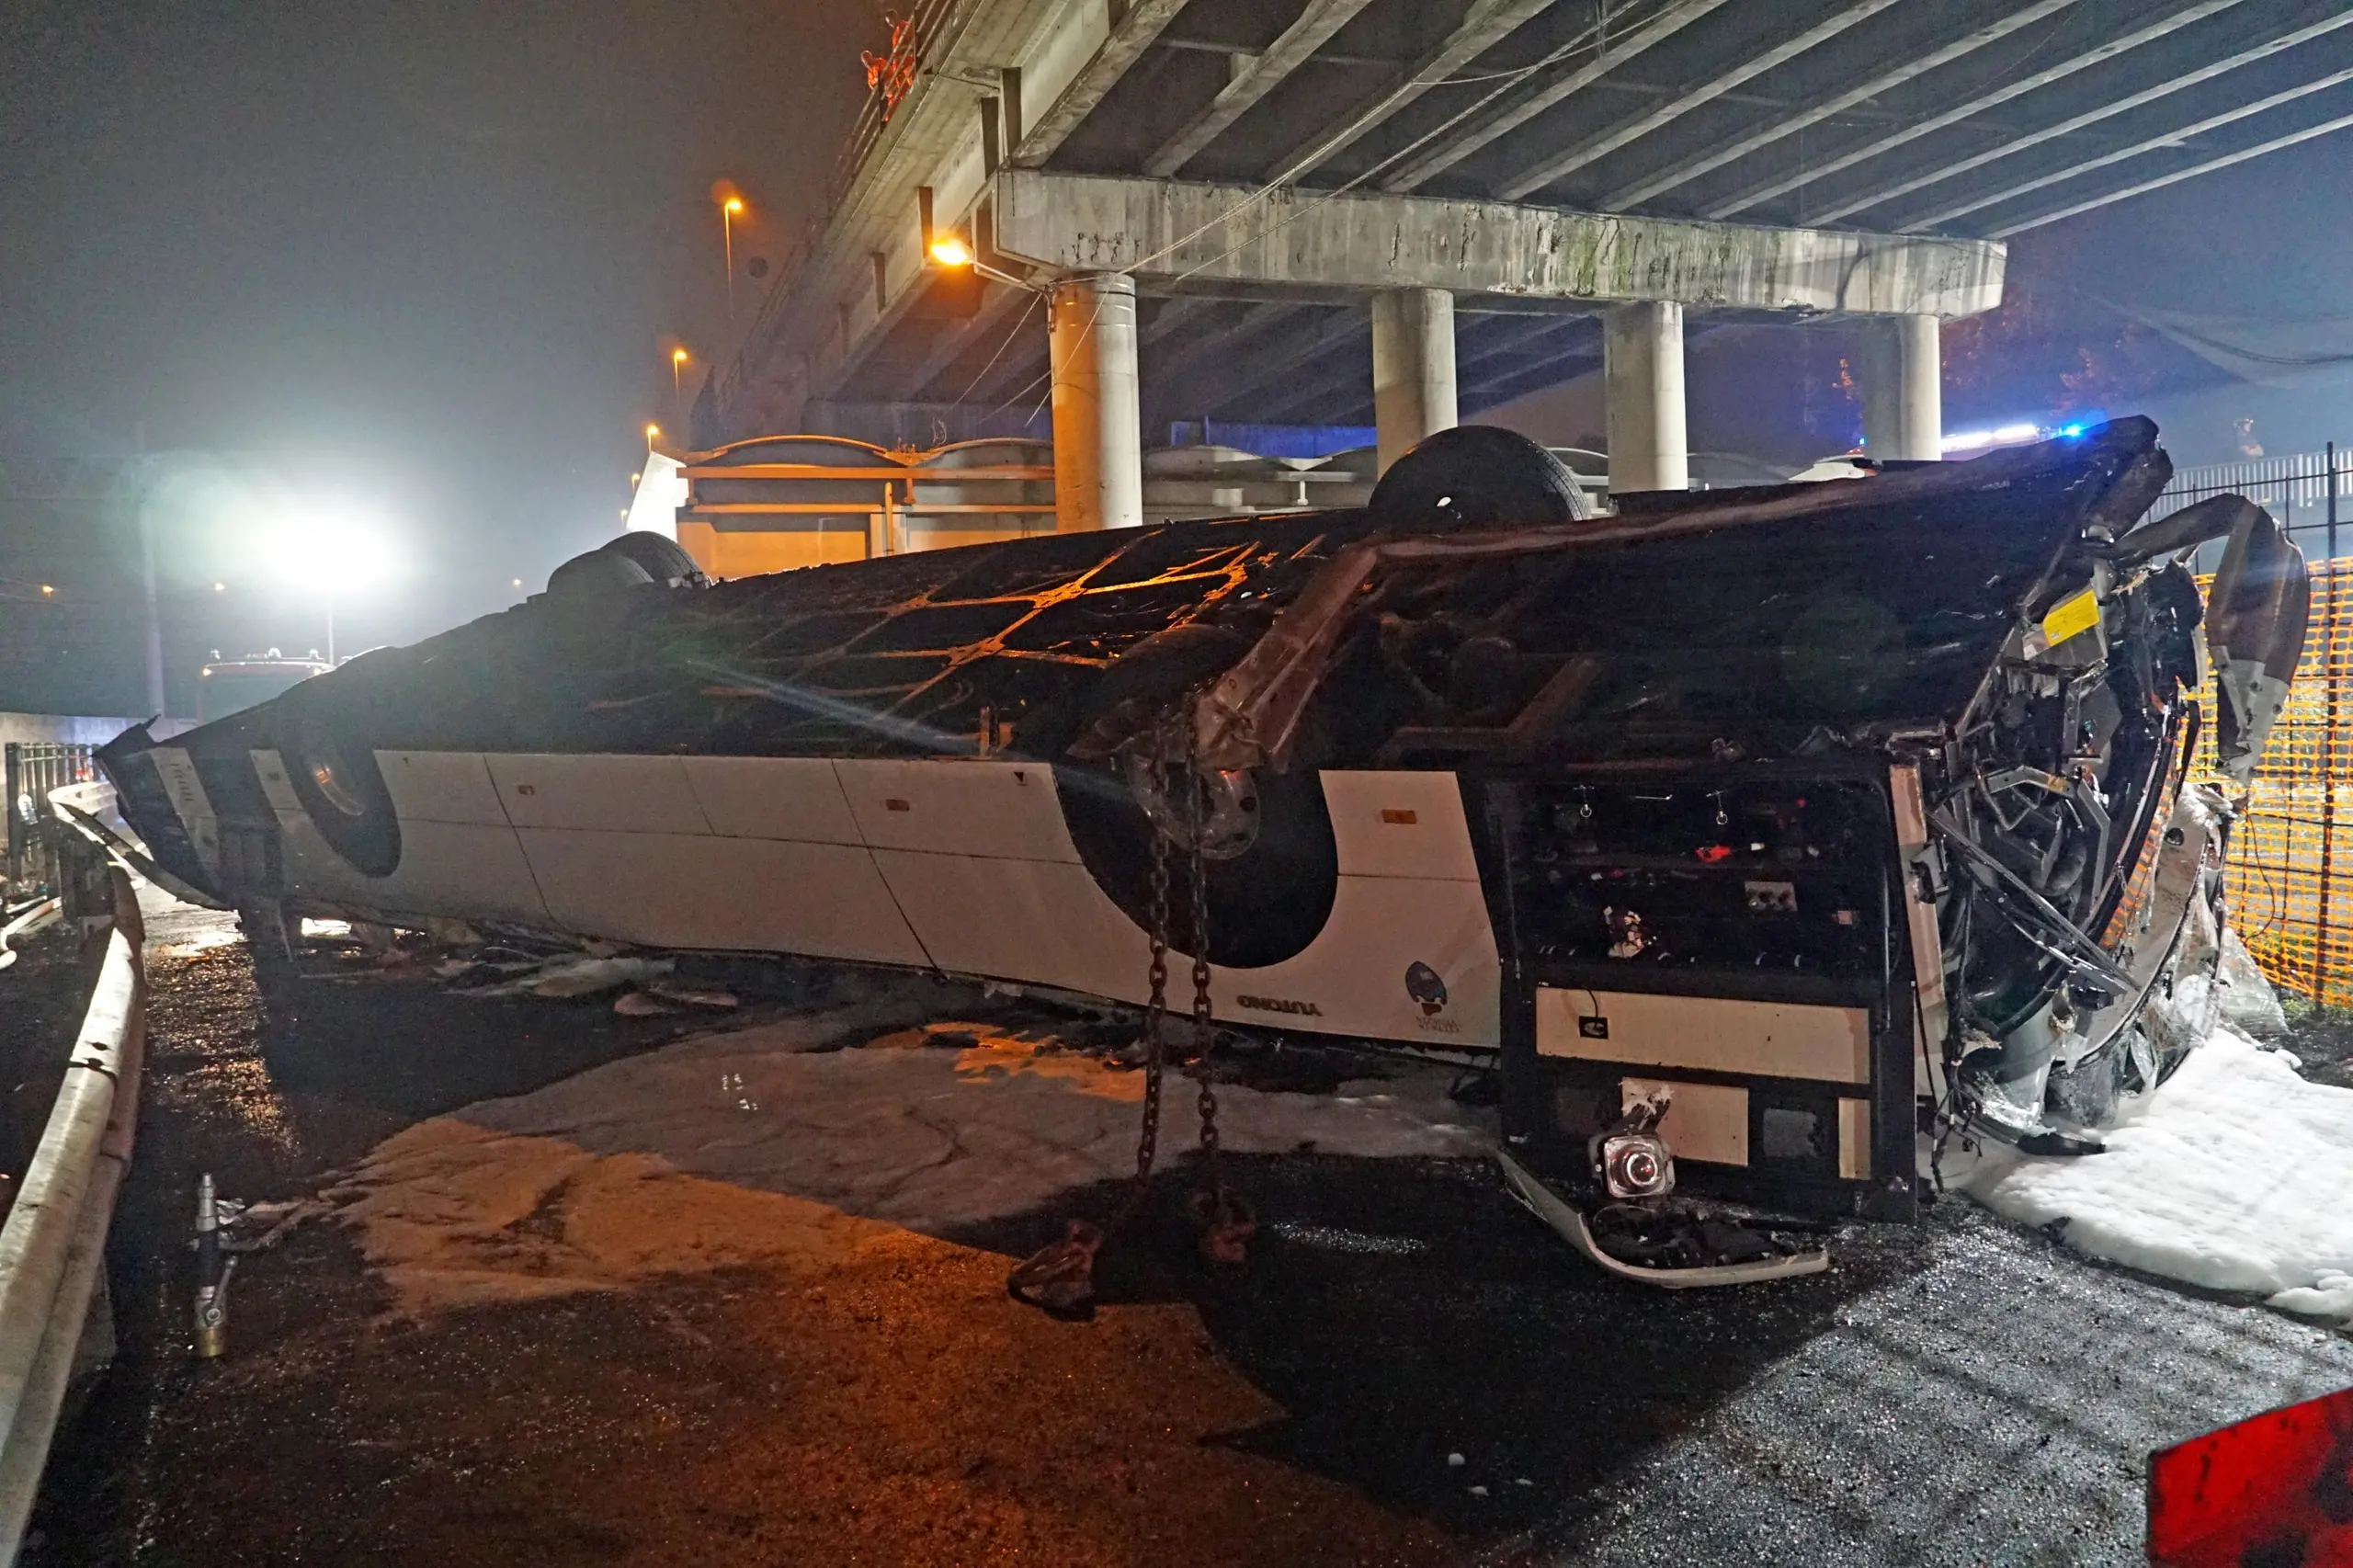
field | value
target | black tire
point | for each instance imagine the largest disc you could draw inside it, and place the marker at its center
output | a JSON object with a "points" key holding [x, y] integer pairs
{"points": [[597, 577], [334, 776], [664, 560], [1265, 905], [1476, 476]]}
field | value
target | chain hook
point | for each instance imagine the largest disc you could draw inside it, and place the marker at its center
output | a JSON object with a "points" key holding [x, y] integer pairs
{"points": [[1060, 1280], [1227, 1223]]}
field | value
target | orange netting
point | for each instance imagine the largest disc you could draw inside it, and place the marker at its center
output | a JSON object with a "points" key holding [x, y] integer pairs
{"points": [[2291, 876]]}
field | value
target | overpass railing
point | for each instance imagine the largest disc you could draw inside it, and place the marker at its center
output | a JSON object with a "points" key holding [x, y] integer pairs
{"points": [[2310, 493], [903, 59]]}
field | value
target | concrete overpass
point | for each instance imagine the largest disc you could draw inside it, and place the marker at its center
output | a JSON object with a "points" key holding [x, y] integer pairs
{"points": [[1408, 210]]}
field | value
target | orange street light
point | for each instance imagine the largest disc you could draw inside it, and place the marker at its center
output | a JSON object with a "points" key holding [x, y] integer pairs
{"points": [[727, 211], [677, 370], [950, 249], [653, 433]]}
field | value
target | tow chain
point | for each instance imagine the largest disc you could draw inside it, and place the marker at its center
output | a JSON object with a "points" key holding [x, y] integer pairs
{"points": [[1225, 1221], [1060, 1278]]}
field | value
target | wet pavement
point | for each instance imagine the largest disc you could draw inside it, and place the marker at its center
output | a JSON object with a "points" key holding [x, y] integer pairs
{"points": [[1408, 1371], [2322, 1038]]}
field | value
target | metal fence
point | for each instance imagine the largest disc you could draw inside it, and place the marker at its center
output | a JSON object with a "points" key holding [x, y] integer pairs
{"points": [[34, 867], [2308, 492]]}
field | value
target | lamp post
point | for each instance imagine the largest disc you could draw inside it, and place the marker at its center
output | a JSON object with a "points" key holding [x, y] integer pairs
{"points": [[679, 383], [652, 434], [324, 554], [727, 211]]}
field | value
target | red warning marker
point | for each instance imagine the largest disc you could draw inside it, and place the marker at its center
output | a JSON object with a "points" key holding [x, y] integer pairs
{"points": [[2275, 1491]]}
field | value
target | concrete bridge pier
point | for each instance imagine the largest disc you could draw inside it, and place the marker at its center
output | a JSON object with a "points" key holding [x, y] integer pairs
{"points": [[1413, 368], [1641, 360], [1098, 430], [1901, 371]]}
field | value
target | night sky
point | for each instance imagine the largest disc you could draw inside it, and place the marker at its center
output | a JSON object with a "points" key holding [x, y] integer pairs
{"points": [[432, 256], [428, 255]]}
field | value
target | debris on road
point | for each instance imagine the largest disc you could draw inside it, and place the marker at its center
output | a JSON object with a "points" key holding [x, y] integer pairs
{"points": [[694, 995], [586, 977], [212, 1273], [1675, 1244]]}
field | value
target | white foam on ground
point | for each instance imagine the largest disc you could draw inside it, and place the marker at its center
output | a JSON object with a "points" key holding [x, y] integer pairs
{"points": [[2236, 1175]]}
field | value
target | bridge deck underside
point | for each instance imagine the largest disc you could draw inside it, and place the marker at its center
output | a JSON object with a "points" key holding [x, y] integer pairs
{"points": [[1968, 118]]}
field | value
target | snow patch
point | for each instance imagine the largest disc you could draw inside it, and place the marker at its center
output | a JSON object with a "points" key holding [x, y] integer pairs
{"points": [[2234, 1176]]}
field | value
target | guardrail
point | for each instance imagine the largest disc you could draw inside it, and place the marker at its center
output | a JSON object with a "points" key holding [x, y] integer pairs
{"points": [[54, 1240]]}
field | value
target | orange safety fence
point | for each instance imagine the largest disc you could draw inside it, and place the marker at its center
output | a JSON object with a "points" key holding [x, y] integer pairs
{"points": [[2290, 879]]}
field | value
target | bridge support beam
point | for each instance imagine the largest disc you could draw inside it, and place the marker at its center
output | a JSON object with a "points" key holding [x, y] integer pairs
{"points": [[1099, 432], [1642, 359], [1295, 245], [1413, 368], [1901, 366]]}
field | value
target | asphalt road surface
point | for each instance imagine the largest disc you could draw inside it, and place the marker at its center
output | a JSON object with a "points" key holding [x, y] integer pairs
{"points": [[1407, 1370]]}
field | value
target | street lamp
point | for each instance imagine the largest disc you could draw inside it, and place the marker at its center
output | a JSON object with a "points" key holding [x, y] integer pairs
{"points": [[727, 211], [328, 554], [678, 372], [652, 434], [951, 249]]}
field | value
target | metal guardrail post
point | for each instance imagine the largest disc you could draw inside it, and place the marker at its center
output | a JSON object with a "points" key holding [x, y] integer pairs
{"points": [[54, 1240]]}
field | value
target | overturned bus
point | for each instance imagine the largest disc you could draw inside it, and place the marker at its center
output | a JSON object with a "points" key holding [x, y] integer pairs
{"points": [[1847, 811]]}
